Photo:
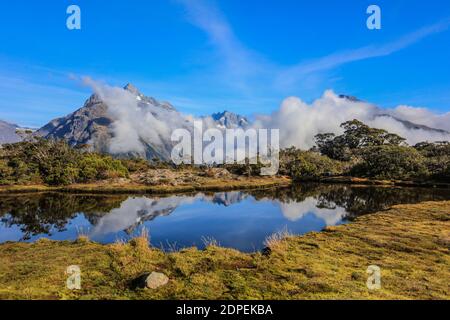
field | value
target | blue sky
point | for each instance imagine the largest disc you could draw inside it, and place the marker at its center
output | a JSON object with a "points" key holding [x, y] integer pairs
{"points": [[207, 56]]}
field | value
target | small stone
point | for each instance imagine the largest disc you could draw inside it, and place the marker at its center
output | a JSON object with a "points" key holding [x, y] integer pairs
{"points": [[156, 280]]}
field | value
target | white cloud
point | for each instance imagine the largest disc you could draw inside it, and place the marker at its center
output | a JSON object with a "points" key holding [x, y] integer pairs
{"points": [[423, 116], [299, 122], [295, 211], [136, 123], [135, 211], [246, 69], [238, 65]]}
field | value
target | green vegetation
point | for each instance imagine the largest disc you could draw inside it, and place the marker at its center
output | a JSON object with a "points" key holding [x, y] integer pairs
{"points": [[49, 165], [437, 159], [356, 136], [360, 152], [246, 169], [308, 164], [54, 163], [367, 152], [410, 243], [391, 162]]}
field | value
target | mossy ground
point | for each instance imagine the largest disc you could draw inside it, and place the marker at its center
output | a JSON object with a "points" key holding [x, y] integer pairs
{"points": [[410, 243]]}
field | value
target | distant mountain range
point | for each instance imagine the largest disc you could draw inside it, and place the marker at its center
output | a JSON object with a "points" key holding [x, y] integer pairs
{"points": [[93, 125], [412, 125], [134, 212], [408, 124], [11, 133], [8, 132], [229, 120]]}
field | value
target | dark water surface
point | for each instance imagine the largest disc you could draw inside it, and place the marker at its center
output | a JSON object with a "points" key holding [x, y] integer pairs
{"points": [[240, 220]]}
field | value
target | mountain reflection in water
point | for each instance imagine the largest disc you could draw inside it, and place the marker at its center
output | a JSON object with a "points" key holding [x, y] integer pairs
{"points": [[240, 220]]}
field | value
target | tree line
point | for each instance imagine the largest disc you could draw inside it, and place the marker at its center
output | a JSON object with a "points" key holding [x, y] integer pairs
{"points": [[361, 151]]}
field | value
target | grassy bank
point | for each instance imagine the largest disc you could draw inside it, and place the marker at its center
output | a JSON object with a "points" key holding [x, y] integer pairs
{"points": [[376, 182], [410, 243], [108, 187], [210, 184]]}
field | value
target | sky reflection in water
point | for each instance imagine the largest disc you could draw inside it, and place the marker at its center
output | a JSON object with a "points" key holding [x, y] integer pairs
{"points": [[235, 219]]}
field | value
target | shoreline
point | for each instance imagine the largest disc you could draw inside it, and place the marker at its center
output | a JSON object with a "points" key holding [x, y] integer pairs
{"points": [[375, 182], [252, 183], [410, 243], [215, 185]]}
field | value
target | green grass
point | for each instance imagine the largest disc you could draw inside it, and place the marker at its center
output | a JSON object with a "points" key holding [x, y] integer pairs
{"points": [[410, 243]]}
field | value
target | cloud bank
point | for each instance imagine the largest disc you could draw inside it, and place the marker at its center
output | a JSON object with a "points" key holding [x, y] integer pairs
{"points": [[299, 122], [138, 124]]}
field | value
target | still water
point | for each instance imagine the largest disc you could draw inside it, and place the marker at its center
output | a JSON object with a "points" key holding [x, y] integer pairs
{"points": [[240, 220]]}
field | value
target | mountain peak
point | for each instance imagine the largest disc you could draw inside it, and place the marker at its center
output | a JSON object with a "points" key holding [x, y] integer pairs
{"points": [[132, 89], [349, 98], [229, 119], [145, 100], [219, 115], [9, 132]]}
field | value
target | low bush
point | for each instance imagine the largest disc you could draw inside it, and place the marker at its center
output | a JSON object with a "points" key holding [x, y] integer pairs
{"points": [[391, 162], [54, 163], [300, 164]]}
